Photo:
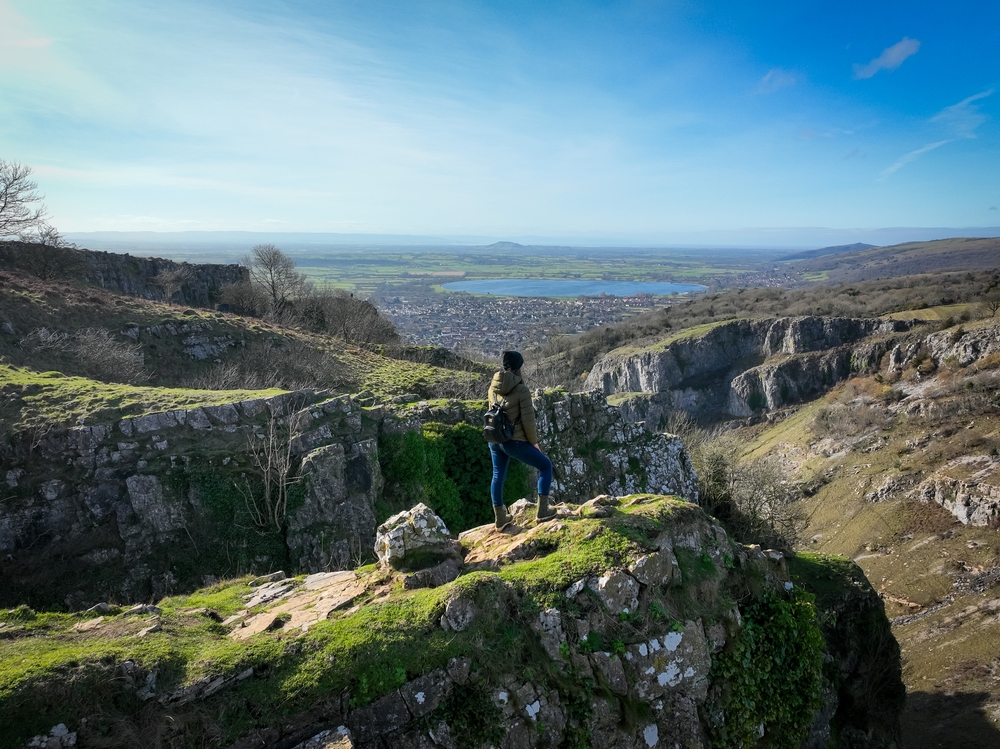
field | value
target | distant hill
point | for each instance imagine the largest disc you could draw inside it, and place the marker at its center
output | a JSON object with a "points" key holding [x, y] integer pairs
{"points": [[835, 250], [912, 258], [505, 246]]}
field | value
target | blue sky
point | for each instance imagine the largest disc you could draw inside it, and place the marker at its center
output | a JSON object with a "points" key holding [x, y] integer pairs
{"points": [[635, 120]]}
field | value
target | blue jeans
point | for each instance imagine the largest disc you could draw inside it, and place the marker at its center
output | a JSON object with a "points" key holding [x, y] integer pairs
{"points": [[524, 452]]}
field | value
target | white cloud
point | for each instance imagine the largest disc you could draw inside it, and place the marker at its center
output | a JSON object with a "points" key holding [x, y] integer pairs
{"points": [[890, 59], [911, 156], [961, 121], [776, 79], [963, 118]]}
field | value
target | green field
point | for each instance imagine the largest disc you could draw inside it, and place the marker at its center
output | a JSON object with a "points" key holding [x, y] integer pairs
{"points": [[364, 271]]}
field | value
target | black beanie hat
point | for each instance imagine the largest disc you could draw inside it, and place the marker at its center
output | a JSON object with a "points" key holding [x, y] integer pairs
{"points": [[511, 360]]}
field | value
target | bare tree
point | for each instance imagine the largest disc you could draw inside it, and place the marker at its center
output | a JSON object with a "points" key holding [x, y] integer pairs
{"points": [[336, 312], [172, 280], [244, 298], [20, 204], [750, 496], [271, 456], [274, 272], [50, 255], [108, 359], [990, 303]]}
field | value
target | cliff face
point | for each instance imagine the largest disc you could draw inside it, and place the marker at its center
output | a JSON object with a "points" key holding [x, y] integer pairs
{"points": [[125, 274], [137, 276], [745, 366], [161, 502], [629, 622]]}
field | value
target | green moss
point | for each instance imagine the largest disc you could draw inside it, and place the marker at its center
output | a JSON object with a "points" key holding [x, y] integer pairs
{"points": [[585, 548], [470, 713], [756, 401], [449, 469], [829, 577], [227, 539]]}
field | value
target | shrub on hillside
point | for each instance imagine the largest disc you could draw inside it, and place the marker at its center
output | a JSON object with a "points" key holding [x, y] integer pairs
{"points": [[99, 354], [105, 358], [749, 496]]}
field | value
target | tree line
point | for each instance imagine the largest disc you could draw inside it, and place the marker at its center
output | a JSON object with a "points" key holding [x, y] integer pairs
{"points": [[275, 290]]}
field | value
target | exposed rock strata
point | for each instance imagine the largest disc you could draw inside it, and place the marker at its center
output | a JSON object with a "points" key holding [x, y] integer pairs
{"points": [[744, 366], [129, 510], [135, 276], [968, 487]]}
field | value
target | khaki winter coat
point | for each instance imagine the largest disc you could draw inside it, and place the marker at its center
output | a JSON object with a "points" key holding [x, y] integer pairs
{"points": [[508, 388]]}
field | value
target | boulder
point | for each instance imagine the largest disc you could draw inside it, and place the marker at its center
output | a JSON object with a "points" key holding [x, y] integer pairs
{"points": [[655, 569], [677, 661], [412, 537]]}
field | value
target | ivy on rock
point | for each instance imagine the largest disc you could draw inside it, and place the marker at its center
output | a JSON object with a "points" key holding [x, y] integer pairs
{"points": [[771, 675]]}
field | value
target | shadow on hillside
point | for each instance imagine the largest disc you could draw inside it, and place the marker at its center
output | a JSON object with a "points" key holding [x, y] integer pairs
{"points": [[936, 720]]}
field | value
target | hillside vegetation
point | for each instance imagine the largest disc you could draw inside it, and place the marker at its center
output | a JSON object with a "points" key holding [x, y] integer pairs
{"points": [[896, 467], [912, 258], [80, 337], [568, 359]]}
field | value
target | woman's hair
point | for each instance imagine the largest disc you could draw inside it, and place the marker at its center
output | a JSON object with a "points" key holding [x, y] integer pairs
{"points": [[512, 361]]}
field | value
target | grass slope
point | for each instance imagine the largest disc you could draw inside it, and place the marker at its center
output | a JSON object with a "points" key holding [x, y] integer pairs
{"points": [[857, 457], [958, 254], [32, 400], [43, 380]]}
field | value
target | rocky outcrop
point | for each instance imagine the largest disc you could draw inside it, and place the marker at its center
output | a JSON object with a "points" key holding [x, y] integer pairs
{"points": [[594, 450], [138, 276], [197, 339], [968, 487], [197, 284], [956, 346], [416, 532], [744, 366], [154, 503], [640, 626]]}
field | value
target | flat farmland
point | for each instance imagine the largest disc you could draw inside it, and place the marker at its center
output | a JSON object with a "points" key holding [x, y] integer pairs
{"points": [[367, 270]]}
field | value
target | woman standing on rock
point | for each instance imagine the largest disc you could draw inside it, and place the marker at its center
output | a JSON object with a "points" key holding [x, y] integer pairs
{"points": [[509, 389]]}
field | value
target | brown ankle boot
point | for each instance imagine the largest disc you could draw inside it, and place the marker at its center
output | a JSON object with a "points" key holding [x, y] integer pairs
{"points": [[502, 518], [544, 511]]}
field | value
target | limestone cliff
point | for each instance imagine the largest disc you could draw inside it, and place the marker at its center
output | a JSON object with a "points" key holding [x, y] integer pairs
{"points": [[125, 274], [163, 502], [740, 367], [631, 622]]}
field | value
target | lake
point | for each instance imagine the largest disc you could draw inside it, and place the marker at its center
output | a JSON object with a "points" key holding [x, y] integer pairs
{"points": [[545, 287]]}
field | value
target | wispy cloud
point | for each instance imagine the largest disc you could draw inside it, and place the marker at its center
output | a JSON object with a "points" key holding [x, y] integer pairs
{"points": [[776, 79], [809, 133], [15, 31], [963, 118], [912, 156], [890, 59]]}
